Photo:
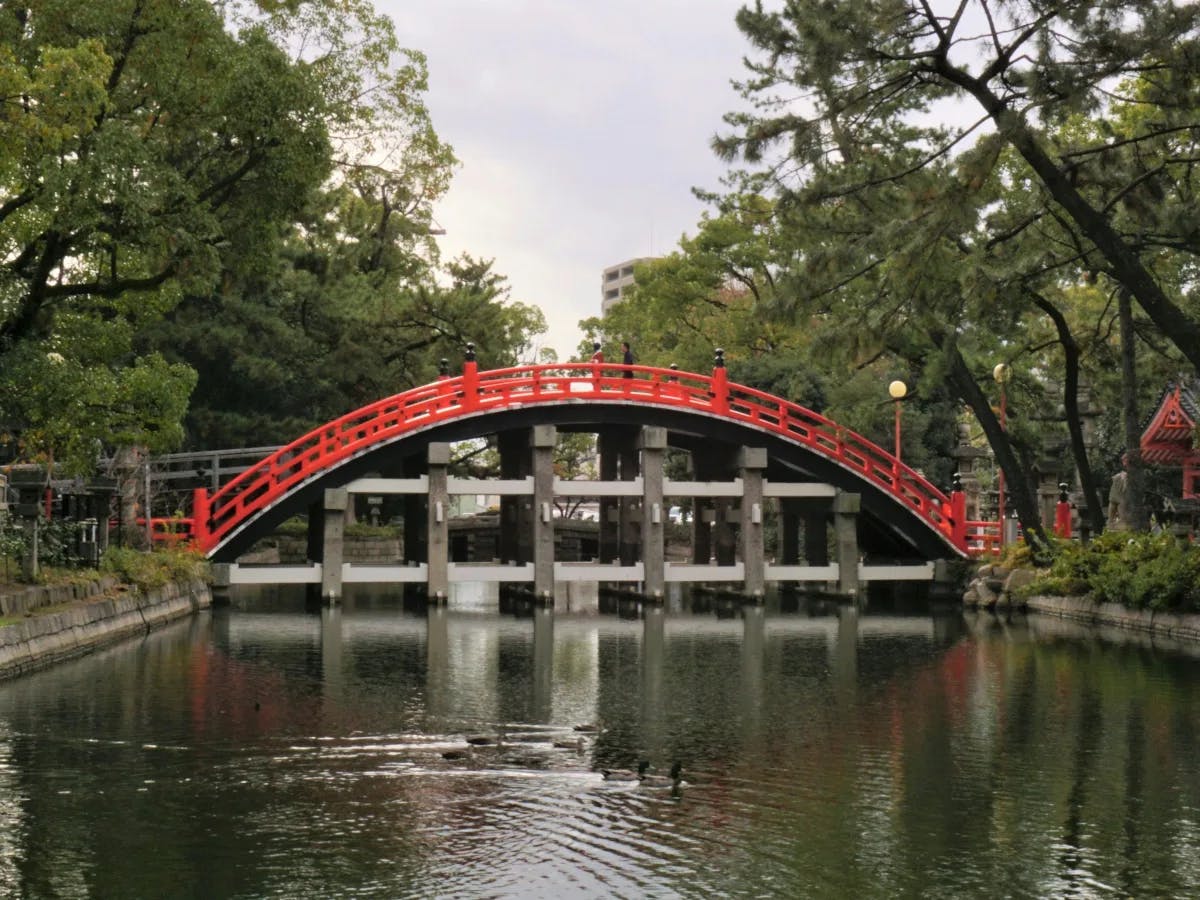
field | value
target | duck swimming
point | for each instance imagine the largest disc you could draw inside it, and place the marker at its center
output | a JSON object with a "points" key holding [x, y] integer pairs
{"points": [[626, 775], [664, 781]]}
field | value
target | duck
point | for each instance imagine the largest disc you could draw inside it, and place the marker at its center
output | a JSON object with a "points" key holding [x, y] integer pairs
{"points": [[664, 781], [588, 728], [576, 745], [467, 752], [626, 775], [484, 740]]}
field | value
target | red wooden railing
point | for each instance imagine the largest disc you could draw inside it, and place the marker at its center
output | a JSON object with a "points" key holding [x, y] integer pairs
{"points": [[473, 393]]}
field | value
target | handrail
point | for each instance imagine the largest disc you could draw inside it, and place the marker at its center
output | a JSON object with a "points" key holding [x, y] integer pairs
{"points": [[472, 392]]}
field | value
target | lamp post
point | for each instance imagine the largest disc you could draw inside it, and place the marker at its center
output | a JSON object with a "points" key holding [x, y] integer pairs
{"points": [[897, 390], [1001, 373]]}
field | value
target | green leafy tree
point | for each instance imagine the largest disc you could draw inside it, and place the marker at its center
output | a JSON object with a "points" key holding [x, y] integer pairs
{"points": [[913, 235], [146, 148]]}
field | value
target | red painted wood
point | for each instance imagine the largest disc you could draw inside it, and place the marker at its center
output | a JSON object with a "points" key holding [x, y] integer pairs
{"points": [[261, 486]]}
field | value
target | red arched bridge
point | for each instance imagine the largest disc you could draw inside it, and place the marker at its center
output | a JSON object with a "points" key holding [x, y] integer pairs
{"points": [[910, 516]]}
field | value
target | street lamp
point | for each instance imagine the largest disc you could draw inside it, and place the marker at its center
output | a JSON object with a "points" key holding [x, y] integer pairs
{"points": [[1001, 373], [898, 390]]}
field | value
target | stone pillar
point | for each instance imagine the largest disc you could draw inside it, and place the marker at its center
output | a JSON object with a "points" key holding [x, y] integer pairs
{"points": [[1047, 492], [332, 548], [654, 444], [752, 462], [543, 439], [846, 507], [437, 545]]}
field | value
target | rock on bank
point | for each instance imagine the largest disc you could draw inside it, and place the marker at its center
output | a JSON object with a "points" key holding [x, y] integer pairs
{"points": [[52, 635]]}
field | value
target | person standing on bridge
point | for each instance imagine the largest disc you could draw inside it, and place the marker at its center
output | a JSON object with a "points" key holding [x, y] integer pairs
{"points": [[597, 359], [627, 357]]}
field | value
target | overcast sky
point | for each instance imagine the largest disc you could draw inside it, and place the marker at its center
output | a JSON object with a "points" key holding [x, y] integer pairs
{"points": [[581, 129]]}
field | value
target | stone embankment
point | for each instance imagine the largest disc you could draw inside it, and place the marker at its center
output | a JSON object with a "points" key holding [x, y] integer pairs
{"points": [[993, 587], [65, 621]]}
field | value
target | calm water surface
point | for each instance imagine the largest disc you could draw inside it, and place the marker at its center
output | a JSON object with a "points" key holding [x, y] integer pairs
{"points": [[264, 750]]}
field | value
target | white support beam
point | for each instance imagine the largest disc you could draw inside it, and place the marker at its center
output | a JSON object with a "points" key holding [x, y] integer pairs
{"points": [[310, 574], [498, 486], [361, 573], [920, 572], [802, 573], [573, 571], [632, 488], [673, 488], [797, 489], [676, 572], [418, 485], [490, 572]]}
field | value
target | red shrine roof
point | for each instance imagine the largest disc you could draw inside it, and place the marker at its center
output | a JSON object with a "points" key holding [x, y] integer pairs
{"points": [[1169, 437]]}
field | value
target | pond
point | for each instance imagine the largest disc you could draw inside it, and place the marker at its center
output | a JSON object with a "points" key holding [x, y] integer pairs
{"points": [[271, 749]]}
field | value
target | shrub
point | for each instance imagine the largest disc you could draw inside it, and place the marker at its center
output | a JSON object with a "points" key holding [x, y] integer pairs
{"points": [[152, 570], [1142, 571]]}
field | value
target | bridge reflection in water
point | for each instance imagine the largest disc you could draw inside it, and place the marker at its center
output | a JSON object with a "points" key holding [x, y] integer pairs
{"points": [[465, 644], [272, 749]]}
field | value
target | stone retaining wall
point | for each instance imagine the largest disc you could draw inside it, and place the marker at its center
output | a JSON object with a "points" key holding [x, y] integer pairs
{"points": [[32, 598], [1079, 609], [51, 637]]}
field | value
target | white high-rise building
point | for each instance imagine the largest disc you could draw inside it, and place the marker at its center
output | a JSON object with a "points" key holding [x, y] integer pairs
{"points": [[615, 281]]}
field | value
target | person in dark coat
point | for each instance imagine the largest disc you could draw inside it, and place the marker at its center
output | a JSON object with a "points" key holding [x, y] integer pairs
{"points": [[627, 358]]}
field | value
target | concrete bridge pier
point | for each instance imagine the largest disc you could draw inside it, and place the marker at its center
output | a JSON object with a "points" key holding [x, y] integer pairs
{"points": [[437, 530], [326, 540], [751, 464], [846, 507], [542, 441], [653, 443]]}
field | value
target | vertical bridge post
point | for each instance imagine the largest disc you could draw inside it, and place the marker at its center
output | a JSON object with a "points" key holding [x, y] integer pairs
{"points": [[542, 442], [653, 443], [437, 541], [846, 507], [752, 462], [333, 533]]}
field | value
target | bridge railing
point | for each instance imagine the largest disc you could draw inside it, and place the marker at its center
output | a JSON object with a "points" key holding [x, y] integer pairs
{"points": [[472, 392]]}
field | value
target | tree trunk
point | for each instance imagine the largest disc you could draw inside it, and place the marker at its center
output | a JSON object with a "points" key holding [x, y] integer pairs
{"points": [[1136, 496], [1087, 481], [1124, 264], [1018, 489], [127, 468]]}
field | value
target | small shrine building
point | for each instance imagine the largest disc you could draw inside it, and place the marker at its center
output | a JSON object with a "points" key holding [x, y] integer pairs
{"points": [[1170, 437]]}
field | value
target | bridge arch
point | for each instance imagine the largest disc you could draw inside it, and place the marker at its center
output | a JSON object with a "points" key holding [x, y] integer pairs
{"points": [[903, 513]]}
